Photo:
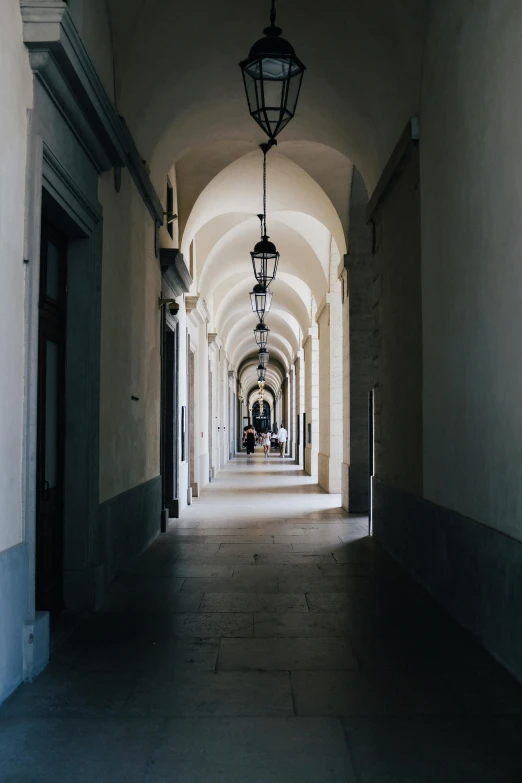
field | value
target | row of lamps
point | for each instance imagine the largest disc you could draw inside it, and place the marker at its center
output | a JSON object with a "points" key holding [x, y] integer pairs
{"points": [[272, 77]]}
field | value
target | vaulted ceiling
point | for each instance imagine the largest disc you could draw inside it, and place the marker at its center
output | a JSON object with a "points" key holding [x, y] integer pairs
{"points": [[175, 78]]}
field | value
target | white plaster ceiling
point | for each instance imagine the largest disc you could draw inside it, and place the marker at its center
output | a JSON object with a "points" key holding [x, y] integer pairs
{"points": [[177, 82]]}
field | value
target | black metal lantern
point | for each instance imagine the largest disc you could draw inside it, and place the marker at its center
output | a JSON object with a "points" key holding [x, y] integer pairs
{"points": [[263, 356], [261, 333], [261, 299], [272, 75], [265, 259], [261, 372]]}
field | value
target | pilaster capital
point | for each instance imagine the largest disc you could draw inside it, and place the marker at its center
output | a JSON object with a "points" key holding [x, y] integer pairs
{"points": [[312, 333], [197, 310], [213, 342], [325, 303]]}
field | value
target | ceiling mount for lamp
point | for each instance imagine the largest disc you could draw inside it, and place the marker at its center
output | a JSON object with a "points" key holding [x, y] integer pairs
{"points": [[272, 76]]}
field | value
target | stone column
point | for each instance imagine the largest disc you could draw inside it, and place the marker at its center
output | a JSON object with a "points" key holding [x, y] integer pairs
{"points": [[311, 357], [223, 408], [198, 314], [292, 414], [213, 348], [329, 320], [299, 404], [288, 417], [345, 315]]}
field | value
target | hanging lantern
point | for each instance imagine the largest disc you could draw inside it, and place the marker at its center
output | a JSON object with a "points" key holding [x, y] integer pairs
{"points": [[261, 372], [272, 76], [265, 259], [263, 356], [261, 333], [260, 299]]}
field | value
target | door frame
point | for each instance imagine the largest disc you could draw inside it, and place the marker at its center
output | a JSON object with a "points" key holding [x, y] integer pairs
{"points": [[52, 191]]}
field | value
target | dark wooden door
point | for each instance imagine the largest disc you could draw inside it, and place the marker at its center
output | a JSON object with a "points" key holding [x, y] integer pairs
{"points": [[50, 417], [169, 468], [304, 441]]}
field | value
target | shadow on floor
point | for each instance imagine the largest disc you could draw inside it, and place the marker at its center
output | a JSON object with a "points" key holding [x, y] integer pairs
{"points": [[265, 639]]}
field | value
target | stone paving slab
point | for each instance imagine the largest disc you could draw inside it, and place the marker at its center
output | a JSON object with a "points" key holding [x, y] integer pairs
{"points": [[346, 693], [319, 548], [213, 624], [307, 540], [79, 750], [69, 693], [191, 551], [292, 558], [249, 602], [286, 654], [276, 569], [252, 750], [300, 625], [250, 550], [201, 568], [205, 694], [320, 584], [254, 583], [239, 539]]}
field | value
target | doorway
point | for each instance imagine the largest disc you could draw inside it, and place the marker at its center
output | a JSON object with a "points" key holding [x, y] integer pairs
{"points": [[191, 421], [210, 424], [50, 420], [304, 441], [169, 429]]}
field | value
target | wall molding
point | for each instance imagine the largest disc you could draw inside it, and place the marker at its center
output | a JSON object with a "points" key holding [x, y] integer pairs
{"points": [[59, 60], [174, 270], [408, 140]]}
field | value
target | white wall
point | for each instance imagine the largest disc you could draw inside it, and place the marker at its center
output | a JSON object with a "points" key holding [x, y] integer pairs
{"points": [[471, 164], [130, 341], [15, 99]]}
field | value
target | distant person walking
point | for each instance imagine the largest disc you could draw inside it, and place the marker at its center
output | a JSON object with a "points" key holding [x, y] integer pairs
{"points": [[250, 441], [282, 437], [267, 442]]}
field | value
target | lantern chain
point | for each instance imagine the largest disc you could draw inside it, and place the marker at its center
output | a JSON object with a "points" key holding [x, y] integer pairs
{"points": [[264, 192], [273, 14]]}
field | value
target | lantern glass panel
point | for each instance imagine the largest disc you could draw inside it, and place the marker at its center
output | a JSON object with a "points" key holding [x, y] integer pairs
{"points": [[261, 336], [265, 267], [272, 85], [260, 299], [263, 356]]}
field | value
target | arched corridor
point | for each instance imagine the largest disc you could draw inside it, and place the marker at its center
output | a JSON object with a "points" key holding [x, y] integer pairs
{"points": [[212, 232], [265, 638]]}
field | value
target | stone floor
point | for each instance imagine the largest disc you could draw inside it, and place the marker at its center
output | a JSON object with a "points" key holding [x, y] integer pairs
{"points": [[265, 639]]}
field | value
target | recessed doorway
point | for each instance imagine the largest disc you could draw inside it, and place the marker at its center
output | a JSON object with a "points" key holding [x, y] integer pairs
{"points": [[50, 420]]}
